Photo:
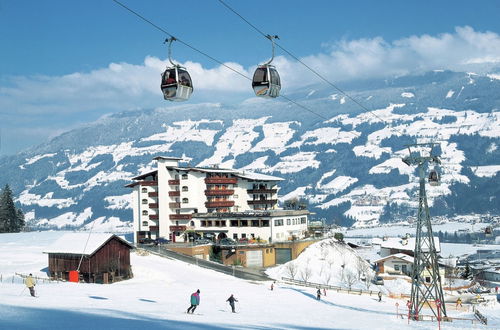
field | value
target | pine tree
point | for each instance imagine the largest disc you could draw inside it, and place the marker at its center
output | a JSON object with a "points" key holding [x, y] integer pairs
{"points": [[11, 219]]}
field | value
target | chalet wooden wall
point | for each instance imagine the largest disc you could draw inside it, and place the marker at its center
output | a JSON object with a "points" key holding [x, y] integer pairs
{"points": [[114, 255]]}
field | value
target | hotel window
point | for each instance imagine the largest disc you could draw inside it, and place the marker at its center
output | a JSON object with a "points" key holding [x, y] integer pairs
{"points": [[265, 223], [184, 177], [203, 223], [184, 188], [234, 223], [144, 201], [192, 223], [145, 212], [244, 223], [176, 177], [243, 235], [396, 267], [288, 222], [235, 196], [303, 220], [223, 223], [235, 236], [185, 200], [278, 222], [144, 190], [144, 223], [255, 223]]}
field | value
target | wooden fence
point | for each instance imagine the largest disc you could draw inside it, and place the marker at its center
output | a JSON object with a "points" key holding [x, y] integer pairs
{"points": [[329, 287], [18, 278]]}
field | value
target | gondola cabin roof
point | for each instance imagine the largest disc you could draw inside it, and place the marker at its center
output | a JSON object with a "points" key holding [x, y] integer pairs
{"points": [[74, 243]]}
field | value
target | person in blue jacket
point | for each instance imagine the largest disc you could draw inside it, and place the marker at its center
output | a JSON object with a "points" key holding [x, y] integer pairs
{"points": [[195, 301]]}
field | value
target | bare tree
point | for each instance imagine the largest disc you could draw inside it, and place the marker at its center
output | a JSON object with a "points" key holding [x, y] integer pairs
{"points": [[350, 278], [291, 269], [305, 274], [369, 276], [327, 277]]}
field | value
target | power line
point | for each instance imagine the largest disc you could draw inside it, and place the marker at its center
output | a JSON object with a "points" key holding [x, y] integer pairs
{"points": [[307, 66], [217, 61]]}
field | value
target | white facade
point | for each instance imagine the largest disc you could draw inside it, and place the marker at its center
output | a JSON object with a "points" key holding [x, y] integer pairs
{"points": [[173, 199]]}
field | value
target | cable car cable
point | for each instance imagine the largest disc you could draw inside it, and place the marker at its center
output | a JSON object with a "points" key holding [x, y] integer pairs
{"points": [[215, 60], [307, 66]]}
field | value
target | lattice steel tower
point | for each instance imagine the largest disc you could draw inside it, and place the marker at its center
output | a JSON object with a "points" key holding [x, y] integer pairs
{"points": [[426, 287]]}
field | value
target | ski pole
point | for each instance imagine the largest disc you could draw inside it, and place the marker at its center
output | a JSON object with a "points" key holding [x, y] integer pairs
{"points": [[22, 291]]}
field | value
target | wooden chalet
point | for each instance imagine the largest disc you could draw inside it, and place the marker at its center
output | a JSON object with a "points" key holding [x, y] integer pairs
{"points": [[100, 258]]}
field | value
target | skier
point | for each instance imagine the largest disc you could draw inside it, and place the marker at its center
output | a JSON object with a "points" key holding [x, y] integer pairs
{"points": [[379, 296], [195, 301], [459, 303], [324, 292], [231, 300], [272, 286], [30, 283], [318, 294]]}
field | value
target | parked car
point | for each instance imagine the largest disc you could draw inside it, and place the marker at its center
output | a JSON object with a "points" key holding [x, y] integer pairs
{"points": [[146, 240], [161, 240], [227, 241], [378, 280], [200, 241]]}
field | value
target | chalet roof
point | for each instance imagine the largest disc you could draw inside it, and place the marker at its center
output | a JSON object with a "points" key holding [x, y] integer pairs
{"points": [[400, 256], [81, 243], [404, 244]]}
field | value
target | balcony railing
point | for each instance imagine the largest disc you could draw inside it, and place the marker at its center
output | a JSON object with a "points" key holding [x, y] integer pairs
{"points": [[153, 205], [174, 182], [219, 204], [174, 205], [180, 217], [215, 180], [263, 201], [148, 183], [153, 217], [154, 228], [219, 192], [177, 228], [262, 191], [174, 193], [153, 194]]}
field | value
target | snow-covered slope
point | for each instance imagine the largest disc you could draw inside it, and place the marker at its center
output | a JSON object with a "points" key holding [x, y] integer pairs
{"points": [[158, 296], [344, 161]]}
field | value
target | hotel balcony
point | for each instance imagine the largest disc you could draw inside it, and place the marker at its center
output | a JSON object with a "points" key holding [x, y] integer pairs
{"points": [[263, 201], [180, 216], [154, 228], [262, 191], [153, 205], [153, 217], [174, 193], [216, 180], [153, 194], [177, 228], [174, 182], [174, 205], [219, 192], [219, 204]]}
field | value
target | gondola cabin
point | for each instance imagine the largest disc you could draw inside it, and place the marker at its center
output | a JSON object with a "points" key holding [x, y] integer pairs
{"points": [[99, 258], [266, 81], [176, 84], [434, 179]]}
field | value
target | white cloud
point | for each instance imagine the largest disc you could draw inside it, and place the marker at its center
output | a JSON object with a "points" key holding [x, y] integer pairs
{"points": [[81, 96]]}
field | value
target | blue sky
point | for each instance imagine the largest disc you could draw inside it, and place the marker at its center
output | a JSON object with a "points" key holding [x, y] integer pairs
{"points": [[65, 63]]}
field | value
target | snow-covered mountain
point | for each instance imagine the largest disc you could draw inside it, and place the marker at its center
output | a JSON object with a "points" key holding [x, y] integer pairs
{"points": [[345, 161]]}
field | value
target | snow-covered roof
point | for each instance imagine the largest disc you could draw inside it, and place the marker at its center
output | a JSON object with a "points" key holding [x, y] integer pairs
{"points": [[81, 243], [257, 176], [401, 256], [405, 244]]}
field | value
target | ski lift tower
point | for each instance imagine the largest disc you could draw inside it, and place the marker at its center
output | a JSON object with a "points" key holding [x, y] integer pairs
{"points": [[426, 286]]}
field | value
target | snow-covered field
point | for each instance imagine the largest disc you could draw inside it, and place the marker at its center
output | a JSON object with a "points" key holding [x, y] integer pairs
{"points": [[158, 295]]}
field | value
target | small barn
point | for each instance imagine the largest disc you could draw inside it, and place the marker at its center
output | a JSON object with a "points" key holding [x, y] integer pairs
{"points": [[100, 258]]}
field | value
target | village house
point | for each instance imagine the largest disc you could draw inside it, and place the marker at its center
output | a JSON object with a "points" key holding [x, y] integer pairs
{"points": [[176, 202], [94, 258]]}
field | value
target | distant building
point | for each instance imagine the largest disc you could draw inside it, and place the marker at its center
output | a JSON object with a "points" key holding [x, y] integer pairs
{"points": [[176, 202], [100, 258], [396, 264], [406, 245]]}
